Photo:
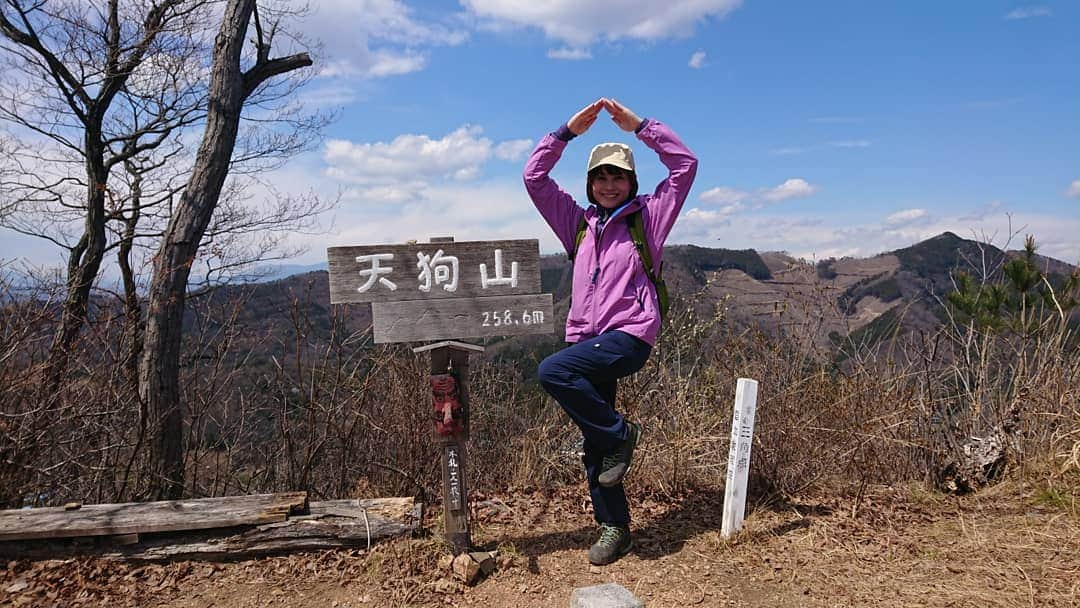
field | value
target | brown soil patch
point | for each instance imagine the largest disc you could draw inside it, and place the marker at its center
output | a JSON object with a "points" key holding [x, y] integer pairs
{"points": [[895, 547]]}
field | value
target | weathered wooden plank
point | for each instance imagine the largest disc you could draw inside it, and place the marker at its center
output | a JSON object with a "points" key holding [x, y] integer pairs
{"points": [[425, 271], [141, 518], [331, 524], [439, 319], [400, 508]]}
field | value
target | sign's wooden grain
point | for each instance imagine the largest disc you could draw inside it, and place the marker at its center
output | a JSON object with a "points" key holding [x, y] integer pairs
{"points": [[439, 319], [426, 271], [138, 518]]}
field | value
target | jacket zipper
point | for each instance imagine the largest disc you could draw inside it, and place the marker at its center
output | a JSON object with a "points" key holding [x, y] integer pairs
{"points": [[595, 275]]}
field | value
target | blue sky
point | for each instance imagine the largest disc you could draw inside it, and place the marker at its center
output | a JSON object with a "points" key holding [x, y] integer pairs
{"points": [[822, 128]]}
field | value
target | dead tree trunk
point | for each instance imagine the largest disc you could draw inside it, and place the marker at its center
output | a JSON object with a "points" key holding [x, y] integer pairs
{"points": [[84, 262], [159, 370]]}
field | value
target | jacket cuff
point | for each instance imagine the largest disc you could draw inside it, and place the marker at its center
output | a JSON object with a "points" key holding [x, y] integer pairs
{"points": [[564, 133], [641, 125]]}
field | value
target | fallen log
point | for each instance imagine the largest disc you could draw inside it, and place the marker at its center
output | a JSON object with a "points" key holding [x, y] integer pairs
{"points": [[329, 524], [75, 519]]}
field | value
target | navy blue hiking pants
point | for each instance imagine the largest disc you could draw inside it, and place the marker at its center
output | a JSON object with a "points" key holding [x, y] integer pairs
{"points": [[582, 378]]}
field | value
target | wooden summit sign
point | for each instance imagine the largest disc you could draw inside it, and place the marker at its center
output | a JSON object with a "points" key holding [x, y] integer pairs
{"points": [[443, 289]]}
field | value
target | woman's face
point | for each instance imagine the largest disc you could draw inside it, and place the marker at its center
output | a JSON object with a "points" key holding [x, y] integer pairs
{"points": [[610, 189]]}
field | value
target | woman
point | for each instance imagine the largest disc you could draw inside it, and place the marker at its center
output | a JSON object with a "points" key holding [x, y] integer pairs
{"points": [[614, 313]]}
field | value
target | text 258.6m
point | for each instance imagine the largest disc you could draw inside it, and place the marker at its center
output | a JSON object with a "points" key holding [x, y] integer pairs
{"points": [[511, 317]]}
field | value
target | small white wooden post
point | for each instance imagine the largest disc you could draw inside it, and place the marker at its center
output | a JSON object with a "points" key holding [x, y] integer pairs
{"points": [[742, 436]]}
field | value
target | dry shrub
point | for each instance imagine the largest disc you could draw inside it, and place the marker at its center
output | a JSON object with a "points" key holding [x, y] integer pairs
{"points": [[76, 441], [816, 420], [313, 405], [872, 413], [336, 415]]}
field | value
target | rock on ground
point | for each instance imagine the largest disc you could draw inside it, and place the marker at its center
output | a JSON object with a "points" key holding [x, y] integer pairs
{"points": [[608, 595]]}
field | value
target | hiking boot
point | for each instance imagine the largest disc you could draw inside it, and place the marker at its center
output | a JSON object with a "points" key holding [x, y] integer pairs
{"points": [[617, 464], [614, 543]]}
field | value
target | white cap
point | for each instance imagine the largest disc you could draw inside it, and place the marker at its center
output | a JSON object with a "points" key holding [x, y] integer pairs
{"points": [[615, 154]]}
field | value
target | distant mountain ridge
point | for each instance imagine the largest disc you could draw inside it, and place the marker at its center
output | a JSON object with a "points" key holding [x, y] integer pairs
{"points": [[276, 272], [837, 300]]}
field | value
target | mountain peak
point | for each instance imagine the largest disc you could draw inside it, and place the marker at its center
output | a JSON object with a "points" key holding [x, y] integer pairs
{"points": [[946, 236]]}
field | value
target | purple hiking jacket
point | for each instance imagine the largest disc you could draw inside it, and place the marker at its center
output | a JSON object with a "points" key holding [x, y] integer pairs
{"points": [[610, 288]]}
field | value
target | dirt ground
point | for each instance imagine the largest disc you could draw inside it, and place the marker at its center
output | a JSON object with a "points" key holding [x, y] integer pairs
{"points": [[1007, 546]]}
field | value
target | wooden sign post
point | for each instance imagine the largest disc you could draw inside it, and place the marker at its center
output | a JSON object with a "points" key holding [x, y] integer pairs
{"points": [[444, 290], [742, 438], [454, 357]]}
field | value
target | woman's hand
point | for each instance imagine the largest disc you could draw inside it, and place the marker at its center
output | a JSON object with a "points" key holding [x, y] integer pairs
{"points": [[622, 115], [580, 122]]}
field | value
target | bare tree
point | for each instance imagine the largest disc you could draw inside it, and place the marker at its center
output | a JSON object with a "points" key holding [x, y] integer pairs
{"points": [[98, 85], [251, 225], [73, 79], [231, 87]]}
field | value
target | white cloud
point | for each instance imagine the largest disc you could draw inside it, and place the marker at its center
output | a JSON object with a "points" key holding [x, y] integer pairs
{"points": [[514, 149], [697, 225], [468, 212], [697, 60], [375, 64], [1027, 12], [389, 63], [374, 38], [569, 54], [734, 201], [853, 143], [704, 215], [818, 237], [465, 174], [731, 209], [418, 158], [702, 224], [323, 96], [390, 193], [791, 188], [723, 195], [1074, 190], [580, 24], [763, 233], [906, 217], [389, 20]]}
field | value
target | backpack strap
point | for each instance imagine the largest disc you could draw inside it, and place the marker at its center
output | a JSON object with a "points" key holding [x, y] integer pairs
{"points": [[583, 226], [637, 234]]}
